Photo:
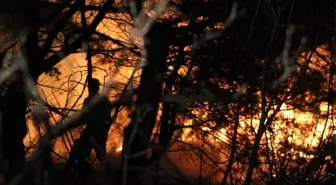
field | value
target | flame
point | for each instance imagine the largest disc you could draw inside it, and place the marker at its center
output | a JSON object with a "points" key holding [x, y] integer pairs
{"points": [[303, 128], [119, 149]]}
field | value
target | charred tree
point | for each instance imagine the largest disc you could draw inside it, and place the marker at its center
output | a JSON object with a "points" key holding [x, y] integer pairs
{"points": [[13, 109], [14, 106], [138, 133]]}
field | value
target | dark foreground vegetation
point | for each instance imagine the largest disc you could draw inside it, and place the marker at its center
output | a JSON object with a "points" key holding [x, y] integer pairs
{"points": [[207, 67]]}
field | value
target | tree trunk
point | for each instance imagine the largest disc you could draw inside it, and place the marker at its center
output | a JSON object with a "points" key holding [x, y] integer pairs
{"points": [[13, 110], [138, 133], [233, 149]]}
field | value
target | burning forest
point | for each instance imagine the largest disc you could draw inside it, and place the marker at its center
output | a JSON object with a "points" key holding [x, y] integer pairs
{"points": [[167, 92]]}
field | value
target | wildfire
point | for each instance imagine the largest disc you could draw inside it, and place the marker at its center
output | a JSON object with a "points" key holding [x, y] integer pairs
{"points": [[119, 149], [300, 130]]}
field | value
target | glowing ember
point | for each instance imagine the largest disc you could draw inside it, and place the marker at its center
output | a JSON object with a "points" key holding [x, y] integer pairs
{"points": [[119, 149]]}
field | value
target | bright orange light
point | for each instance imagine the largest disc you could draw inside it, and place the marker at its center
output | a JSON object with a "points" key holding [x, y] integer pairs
{"points": [[119, 149], [299, 128]]}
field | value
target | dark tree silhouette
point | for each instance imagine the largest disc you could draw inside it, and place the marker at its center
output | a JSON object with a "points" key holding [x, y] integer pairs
{"points": [[252, 47]]}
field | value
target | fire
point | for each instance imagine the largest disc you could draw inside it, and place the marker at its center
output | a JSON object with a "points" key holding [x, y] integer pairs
{"points": [[119, 149], [302, 130], [295, 133]]}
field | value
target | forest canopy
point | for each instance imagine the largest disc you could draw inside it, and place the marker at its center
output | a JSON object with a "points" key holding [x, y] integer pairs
{"points": [[167, 92]]}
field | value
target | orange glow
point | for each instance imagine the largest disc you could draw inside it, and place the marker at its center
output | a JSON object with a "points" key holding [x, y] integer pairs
{"points": [[119, 149], [301, 129]]}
